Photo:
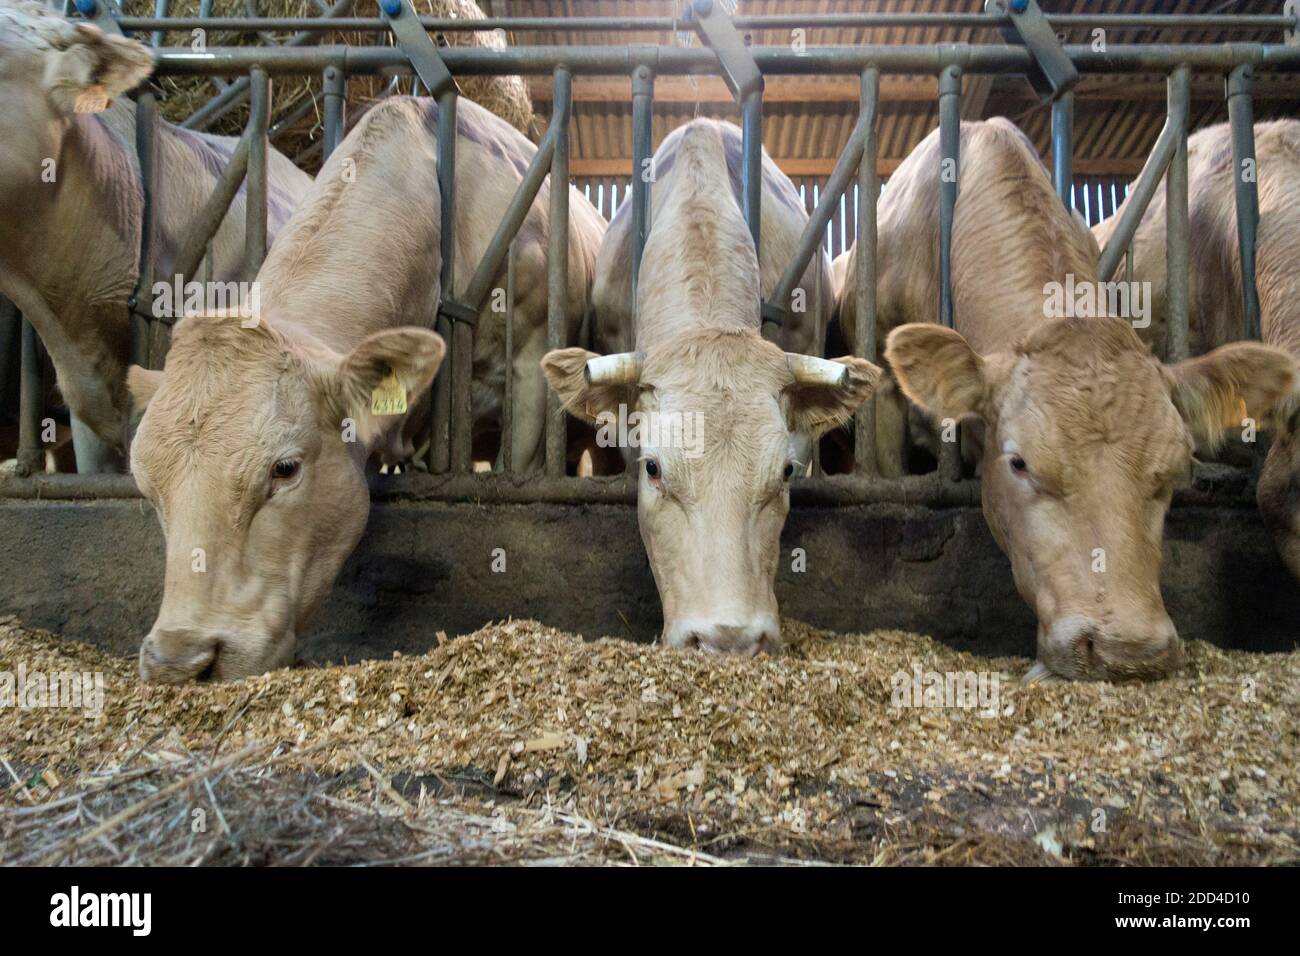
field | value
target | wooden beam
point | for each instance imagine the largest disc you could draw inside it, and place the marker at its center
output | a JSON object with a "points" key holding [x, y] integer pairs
{"points": [[796, 167]]}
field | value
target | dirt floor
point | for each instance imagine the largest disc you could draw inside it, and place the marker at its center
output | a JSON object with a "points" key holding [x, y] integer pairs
{"points": [[522, 744]]}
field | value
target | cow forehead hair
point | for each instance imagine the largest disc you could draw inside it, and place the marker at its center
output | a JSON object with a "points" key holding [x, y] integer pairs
{"points": [[27, 25], [713, 360]]}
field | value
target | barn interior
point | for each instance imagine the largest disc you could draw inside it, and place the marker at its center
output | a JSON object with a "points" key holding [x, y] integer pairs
{"points": [[569, 768]]}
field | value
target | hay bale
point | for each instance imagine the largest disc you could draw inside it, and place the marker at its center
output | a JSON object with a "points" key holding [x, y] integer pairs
{"points": [[507, 96]]}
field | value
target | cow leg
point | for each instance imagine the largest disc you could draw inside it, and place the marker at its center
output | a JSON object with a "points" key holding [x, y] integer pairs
{"points": [[94, 455]]}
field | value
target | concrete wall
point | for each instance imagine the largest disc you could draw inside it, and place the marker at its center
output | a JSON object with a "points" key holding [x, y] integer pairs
{"points": [[92, 570]]}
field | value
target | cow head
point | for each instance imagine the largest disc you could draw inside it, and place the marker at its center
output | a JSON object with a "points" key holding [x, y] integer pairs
{"points": [[50, 70], [252, 451], [723, 421], [1087, 435]]}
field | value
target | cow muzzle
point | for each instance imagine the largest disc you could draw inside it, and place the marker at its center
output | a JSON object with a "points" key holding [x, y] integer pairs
{"points": [[761, 634], [1081, 648], [176, 655]]}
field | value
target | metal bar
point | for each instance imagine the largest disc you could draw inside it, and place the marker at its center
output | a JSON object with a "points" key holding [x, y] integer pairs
{"points": [[146, 144], [462, 331], [284, 123], [949, 176], [619, 61], [977, 21], [864, 420], [507, 402], [255, 243], [159, 12], [643, 88], [336, 90], [1144, 188], [1241, 119], [751, 171], [1176, 221], [445, 404], [204, 226], [31, 397], [557, 285], [1063, 147]]}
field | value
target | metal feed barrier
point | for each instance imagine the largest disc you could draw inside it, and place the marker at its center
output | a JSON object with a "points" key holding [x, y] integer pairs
{"points": [[1030, 47]]}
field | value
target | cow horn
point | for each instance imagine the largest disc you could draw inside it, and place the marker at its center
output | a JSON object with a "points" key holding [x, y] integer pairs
{"points": [[810, 370], [621, 368]]}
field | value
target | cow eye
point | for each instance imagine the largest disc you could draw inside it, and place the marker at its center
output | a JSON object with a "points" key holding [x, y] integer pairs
{"points": [[652, 469], [789, 470], [1018, 464], [286, 469]]}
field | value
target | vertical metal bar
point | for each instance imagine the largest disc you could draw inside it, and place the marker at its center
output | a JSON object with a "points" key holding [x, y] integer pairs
{"points": [[819, 344], [949, 180], [1241, 118], [31, 394], [751, 178], [558, 268], [146, 145], [507, 404], [864, 425], [1176, 221], [445, 400], [336, 89], [949, 175], [159, 10], [643, 87], [256, 190], [1063, 147]]}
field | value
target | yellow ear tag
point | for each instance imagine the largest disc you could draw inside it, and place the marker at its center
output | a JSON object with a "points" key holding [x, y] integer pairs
{"points": [[389, 397], [93, 99]]}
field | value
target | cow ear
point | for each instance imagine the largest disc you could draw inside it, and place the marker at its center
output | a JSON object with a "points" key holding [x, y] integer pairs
{"points": [[818, 406], [142, 383], [566, 373], [939, 371], [91, 68], [1216, 391], [396, 365]]}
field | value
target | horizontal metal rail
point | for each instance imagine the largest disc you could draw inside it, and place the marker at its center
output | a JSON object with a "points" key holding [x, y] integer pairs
{"points": [[814, 21]]}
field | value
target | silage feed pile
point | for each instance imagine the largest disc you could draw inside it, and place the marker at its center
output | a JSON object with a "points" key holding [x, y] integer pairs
{"points": [[519, 743]]}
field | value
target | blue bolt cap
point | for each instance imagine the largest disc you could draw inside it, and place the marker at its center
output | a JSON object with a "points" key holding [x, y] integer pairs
{"points": [[392, 7], [1018, 6], [86, 7]]}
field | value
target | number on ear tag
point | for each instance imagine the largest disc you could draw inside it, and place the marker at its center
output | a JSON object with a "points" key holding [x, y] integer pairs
{"points": [[93, 99]]}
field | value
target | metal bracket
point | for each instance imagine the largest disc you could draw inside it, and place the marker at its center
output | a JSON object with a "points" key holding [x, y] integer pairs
{"points": [[739, 70], [1292, 9], [418, 46], [457, 311], [1053, 73]]}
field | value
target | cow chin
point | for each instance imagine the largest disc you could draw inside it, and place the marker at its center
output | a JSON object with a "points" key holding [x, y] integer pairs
{"points": [[1077, 647]]}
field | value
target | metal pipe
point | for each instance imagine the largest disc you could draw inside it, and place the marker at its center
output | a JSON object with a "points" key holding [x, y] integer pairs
{"points": [[146, 145], [557, 286], [1245, 173], [255, 242], [1144, 188], [205, 224], [814, 21], [949, 176], [160, 13], [1063, 147], [445, 405], [621, 60], [462, 331], [1176, 221], [31, 397], [864, 420], [507, 402], [643, 88], [336, 90], [751, 176]]}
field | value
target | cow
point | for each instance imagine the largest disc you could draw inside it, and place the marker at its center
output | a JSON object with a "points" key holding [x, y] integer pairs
{"points": [[1085, 433], [725, 417], [1215, 309], [255, 437], [71, 204]]}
